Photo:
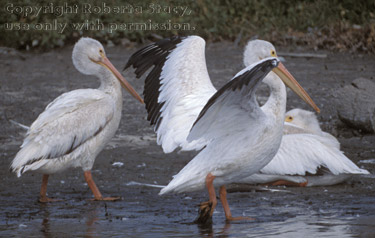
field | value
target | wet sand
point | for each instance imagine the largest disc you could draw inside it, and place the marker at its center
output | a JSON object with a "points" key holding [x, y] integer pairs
{"points": [[29, 83]]}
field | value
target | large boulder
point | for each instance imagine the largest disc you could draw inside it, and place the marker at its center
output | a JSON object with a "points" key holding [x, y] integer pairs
{"points": [[356, 104]]}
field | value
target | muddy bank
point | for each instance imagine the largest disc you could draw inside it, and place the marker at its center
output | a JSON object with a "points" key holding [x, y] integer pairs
{"points": [[29, 83]]}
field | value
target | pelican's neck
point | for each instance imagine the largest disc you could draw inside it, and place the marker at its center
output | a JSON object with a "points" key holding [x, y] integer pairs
{"points": [[276, 103], [109, 83]]}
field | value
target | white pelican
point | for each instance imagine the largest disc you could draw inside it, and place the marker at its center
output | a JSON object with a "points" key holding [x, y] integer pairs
{"points": [[239, 136], [307, 156], [77, 125]]}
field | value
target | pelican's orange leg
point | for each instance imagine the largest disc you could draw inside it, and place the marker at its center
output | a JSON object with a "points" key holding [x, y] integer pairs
{"points": [[211, 192], [206, 209], [224, 202], [97, 195], [43, 191]]}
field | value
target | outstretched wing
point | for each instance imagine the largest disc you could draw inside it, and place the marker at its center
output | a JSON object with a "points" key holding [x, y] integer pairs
{"points": [[306, 153], [236, 99], [176, 89], [67, 122]]}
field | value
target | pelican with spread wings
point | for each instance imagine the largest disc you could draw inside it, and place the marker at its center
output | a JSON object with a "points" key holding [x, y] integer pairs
{"points": [[236, 136]]}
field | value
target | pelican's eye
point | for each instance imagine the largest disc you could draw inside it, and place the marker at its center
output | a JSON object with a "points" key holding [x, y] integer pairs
{"points": [[273, 53], [289, 119], [101, 53]]}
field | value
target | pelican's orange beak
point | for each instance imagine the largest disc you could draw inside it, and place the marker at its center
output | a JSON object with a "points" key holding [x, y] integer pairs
{"points": [[125, 84], [292, 83]]}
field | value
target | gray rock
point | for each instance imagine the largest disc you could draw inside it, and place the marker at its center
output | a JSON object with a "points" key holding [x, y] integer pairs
{"points": [[356, 104]]}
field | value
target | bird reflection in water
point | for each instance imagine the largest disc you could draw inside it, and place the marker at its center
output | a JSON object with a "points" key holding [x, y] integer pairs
{"points": [[207, 230], [90, 216]]}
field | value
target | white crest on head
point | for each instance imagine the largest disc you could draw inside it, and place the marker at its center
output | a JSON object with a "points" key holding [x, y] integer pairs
{"points": [[84, 50], [256, 50]]}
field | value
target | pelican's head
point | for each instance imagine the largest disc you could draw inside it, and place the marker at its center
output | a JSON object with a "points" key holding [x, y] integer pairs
{"points": [[89, 58], [304, 119], [86, 53], [256, 50]]}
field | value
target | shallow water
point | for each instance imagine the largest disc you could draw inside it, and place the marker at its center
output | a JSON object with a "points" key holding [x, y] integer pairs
{"points": [[172, 217]]}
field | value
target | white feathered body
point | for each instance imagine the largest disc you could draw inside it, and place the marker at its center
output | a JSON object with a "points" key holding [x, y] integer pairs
{"points": [[72, 130], [249, 141]]}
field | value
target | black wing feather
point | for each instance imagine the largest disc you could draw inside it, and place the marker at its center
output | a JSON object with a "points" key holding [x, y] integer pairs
{"points": [[153, 55]]}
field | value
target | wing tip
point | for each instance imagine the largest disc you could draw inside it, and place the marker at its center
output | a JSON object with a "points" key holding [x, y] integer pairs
{"points": [[364, 171], [163, 191], [18, 171], [153, 56]]}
